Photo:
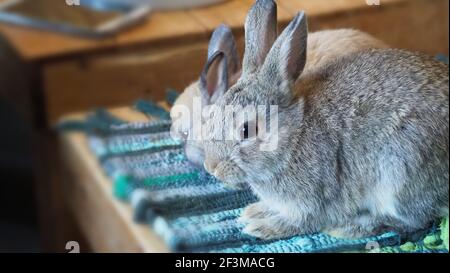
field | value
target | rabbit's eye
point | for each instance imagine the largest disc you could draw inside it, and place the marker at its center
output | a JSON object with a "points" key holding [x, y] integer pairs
{"points": [[248, 130]]}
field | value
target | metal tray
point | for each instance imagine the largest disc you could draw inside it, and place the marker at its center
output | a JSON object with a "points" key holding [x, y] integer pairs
{"points": [[128, 15]]}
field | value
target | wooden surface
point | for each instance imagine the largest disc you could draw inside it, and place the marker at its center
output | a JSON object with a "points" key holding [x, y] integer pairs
{"points": [[106, 222], [117, 80], [173, 26], [415, 25]]}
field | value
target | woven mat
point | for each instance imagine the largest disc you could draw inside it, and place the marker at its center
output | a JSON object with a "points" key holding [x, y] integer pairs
{"points": [[191, 210]]}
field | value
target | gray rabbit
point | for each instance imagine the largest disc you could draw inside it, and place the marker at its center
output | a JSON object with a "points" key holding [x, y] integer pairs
{"points": [[213, 82], [323, 47], [363, 142]]}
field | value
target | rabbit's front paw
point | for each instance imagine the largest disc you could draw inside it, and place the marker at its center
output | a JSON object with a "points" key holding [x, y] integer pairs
{"points": [[354, 231], [256, 210], [338, 233], [269, 228]]}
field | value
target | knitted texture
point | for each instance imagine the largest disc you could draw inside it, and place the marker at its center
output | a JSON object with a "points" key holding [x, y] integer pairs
{"points": [[436, 240], [190, 209], [444, 232]]}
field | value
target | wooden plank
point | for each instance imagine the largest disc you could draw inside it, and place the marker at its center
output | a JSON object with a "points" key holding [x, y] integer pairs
{"points": [[105, 221], [57, 225], [32, 44], [162, 26], [231, 13], [119, 79], [394, 21], [327, 7]]}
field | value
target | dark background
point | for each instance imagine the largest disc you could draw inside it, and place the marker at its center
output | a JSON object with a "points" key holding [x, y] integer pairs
{"points": [[18, 225]]}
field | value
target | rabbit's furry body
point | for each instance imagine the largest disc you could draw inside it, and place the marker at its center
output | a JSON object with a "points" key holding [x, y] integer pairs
{"points": [[353, 158], [362, 142]]}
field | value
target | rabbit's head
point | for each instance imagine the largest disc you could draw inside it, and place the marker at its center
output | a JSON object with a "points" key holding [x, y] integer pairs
{"points": [[249, 145], [222, 63]]}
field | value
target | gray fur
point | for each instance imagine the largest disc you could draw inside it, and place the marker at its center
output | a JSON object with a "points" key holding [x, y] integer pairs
{"points": [[223, 61], [290, 50], [223, 40], [214, 78], [262, 20], [363, 145]]}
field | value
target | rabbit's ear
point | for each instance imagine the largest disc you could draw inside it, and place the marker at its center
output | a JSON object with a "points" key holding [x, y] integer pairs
{"points": [[223, 40], [260, 34], [287, 57], [214, 78]]}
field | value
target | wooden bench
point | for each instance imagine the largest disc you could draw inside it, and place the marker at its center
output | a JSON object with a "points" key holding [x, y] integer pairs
{"points": [[105, 221]]}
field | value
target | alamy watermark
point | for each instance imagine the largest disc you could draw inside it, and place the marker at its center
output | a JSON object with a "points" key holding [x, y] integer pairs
{"points": [[73, 2], [257, 123], [373, 247], [373, 2], [73, 247]]}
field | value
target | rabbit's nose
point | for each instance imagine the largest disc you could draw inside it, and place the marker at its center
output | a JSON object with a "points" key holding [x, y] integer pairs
{"points": [[210, 166]]}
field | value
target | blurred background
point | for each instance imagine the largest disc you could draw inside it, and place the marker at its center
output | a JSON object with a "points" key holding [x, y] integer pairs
{"points": [[58, 57]]}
